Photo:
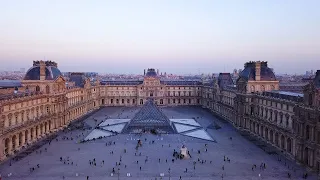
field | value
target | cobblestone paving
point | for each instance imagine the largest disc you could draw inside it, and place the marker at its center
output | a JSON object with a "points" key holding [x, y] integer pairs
{"points": [[241, 152]]}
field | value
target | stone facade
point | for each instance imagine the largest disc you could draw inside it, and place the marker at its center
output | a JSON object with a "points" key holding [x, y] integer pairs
{"points": [[288, 122]]}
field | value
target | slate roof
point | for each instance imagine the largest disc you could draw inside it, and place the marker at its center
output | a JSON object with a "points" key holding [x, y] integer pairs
{"points": [[33, 73], [249, 72], [297, 97], [78, 78], [149, 117], [180, 82], [120, 82], [151, 73], [316, 79], [224, 80], [10, 83]]}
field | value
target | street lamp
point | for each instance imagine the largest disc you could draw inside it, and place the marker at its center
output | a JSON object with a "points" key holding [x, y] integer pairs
{"points": [[118, 173], [169, 173]]}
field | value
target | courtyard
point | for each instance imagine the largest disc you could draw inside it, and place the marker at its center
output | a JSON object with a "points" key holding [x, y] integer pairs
{"points": [[230, 156]]}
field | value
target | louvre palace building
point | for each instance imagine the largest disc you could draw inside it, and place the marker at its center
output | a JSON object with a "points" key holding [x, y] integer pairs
{"points": [[45, 102]]}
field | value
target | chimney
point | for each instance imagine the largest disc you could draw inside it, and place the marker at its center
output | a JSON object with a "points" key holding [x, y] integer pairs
{"points": [[157, 71], [42, 70], [144, 72], [258, 70]]}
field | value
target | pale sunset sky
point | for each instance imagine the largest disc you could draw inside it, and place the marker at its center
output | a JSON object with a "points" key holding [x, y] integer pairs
{"points": [[176, 36]]}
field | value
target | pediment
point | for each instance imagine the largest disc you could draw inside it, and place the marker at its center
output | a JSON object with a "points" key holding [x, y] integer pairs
{"points": [[60, 79]]}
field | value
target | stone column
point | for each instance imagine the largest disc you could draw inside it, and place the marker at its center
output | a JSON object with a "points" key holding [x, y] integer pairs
{"points": [[2, 146], [34, 133], [17, 142], [22, 140], [10, 146], [29, 136]]}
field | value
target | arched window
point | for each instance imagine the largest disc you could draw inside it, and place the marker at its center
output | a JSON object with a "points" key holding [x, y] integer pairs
{"points": [[262, 88], [252, 89], [47, 89], [37, 88], [272, 87]]}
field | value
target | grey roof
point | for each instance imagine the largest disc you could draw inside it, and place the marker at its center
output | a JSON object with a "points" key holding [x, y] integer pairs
{"points": [[151, 73], [149, 117], [78, 79], [297, 97], [249, 72], [316, 79], [10, 83], [225, 80], [121, 82], [52, 73], [180, 82]]}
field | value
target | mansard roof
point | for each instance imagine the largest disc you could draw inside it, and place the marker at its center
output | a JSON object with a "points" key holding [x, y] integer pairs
{"points": [[10, 83], [224, 80]]}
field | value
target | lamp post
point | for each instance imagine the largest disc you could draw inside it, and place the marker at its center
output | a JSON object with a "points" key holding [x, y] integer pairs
{"points": [[169, 173], [118, 173]]}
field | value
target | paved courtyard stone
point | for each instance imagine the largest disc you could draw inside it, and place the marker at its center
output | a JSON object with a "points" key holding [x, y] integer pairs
{"points": [[236, 159]]}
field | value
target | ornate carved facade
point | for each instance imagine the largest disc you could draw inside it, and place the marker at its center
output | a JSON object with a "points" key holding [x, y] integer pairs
{"points": [[288, 121]]}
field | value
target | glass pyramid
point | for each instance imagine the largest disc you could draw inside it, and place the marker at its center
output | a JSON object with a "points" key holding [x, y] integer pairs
{"points": [[148, 118]]}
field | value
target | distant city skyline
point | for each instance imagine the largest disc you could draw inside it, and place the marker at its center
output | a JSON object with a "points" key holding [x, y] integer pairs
{"points": [[181, 36]]}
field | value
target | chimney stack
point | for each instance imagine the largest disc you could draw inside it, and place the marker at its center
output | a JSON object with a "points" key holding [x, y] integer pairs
{"points": [[144, 72], [258, 70], [157, 71], [42, 70]]}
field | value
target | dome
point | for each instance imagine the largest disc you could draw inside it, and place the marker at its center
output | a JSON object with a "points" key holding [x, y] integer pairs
{"points": [[249, 72], [51, 71], [151, 73]]}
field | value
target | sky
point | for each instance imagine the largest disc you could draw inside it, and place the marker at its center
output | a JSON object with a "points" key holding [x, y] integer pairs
{"points": [[175, 36]]}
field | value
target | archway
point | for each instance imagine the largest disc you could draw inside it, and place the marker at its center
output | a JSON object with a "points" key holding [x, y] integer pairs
{"points": [[45, 127], [306, 156], [271, 136], [266, 135], [26, 135], [41, 129], [37, 88], [20, 139], [47, 89], [289, 145], [307, 132], [14, 139], [282, 142], [31, 133], [277, 139], [6, 146]]}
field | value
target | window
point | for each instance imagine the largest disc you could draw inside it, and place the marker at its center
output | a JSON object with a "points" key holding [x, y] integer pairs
{"points": [[111, 101], [174, 101], [128, 101], [122, 101]]}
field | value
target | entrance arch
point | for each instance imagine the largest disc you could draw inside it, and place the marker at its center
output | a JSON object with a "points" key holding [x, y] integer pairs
{"points": [[289, 145], [14, 140], [282, 142], [6, 146]]}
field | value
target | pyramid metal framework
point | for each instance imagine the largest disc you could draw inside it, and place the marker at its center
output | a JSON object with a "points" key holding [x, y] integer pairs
{"points": [[148, 118]]}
